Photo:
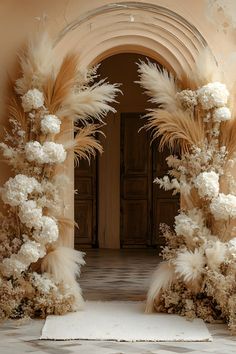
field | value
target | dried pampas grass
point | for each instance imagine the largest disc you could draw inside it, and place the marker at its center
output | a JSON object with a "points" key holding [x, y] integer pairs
{"points": [[64, 264], [91, 103], [176, 128], [204, 71], [85, 145], [161, 280], [59, 88], [159, 84], [37, 63]]}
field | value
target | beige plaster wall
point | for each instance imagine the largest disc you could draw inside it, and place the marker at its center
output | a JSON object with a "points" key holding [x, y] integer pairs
{"points": [[215, 20]]}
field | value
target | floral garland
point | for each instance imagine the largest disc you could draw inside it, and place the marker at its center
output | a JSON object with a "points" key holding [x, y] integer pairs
{"points": [[38, 274], [195, 116]]}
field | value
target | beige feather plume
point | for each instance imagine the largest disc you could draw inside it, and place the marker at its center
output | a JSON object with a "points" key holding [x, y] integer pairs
{"points": [[159, 84], [161, 280], [57, 90], [37, 63], [93, 102], [64, 225], [204, 71], [176, 128], [64, 264], [85, 144]]}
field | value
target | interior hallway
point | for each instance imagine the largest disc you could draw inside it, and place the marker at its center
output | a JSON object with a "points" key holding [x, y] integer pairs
{"points": [[122, 274]]}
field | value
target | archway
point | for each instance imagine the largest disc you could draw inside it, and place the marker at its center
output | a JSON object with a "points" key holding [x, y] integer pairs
{"points": [[139, 27]]}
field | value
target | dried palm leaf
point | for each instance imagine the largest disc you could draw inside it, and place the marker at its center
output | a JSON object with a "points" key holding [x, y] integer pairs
{"points": [[176, 128], [57, 90], [92, 102], [159, 84], [85, 143], [37, 63]]}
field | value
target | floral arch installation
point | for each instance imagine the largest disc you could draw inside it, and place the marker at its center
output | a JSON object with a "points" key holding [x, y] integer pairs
{"points": [[38, 274]]}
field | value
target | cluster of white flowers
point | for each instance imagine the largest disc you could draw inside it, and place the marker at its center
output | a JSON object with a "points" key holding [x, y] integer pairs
{"points": [[48, 231], [185, 225], [30, 214], [50, 124], [12, 266], [48, 153], [213, 95], [221, 114], [187, 98], [207, 184], [30, 252], [16, 190], [223, 206], [32, 99]]}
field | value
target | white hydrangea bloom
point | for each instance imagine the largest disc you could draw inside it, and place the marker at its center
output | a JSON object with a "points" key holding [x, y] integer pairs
{"points": [[213, 95], [223, 207], [55, 152], [50, 124], [15, 191], [30, 214], [34, 152], [221, 114], [49, 152], [207, 184], [185, 226], [12, 266], [32, 99], [48, 232], [30, 252], [232, 247]]}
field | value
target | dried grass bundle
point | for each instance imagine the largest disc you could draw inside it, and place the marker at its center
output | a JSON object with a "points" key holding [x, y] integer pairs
{"points": [[159, 84], [176, 128]]}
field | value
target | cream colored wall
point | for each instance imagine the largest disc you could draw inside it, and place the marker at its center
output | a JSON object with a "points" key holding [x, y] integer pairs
{"points": [[215, 20]]}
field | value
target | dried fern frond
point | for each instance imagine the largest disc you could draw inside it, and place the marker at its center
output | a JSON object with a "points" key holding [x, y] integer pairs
{"points": [[92, 102], [159, 84], [85, 144], [57, 90], [37, 63], [228, 136], [176, 128]]}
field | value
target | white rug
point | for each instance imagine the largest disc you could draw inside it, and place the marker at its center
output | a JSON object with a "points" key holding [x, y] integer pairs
{"points": [[123, 321]]}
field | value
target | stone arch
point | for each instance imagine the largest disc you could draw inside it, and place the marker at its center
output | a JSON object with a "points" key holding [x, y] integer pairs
{"points": [[138, 27]]}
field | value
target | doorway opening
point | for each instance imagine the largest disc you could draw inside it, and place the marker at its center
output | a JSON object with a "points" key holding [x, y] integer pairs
{"points": [[117, 205]]}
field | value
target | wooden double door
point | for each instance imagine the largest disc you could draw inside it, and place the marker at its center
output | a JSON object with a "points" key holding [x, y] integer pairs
{"points": [[143, 205]]}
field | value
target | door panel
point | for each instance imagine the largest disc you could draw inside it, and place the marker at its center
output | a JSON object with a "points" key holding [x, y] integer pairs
{"points": [[135, 182], [144, 206], [85, 204]]}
